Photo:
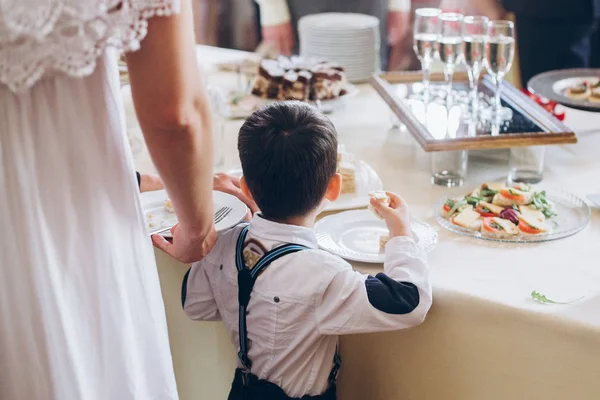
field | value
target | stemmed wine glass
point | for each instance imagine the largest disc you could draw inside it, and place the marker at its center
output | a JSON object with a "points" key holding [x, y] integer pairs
{"points": [[450, 46], [426, 31], [499, 55], [474, 32]]}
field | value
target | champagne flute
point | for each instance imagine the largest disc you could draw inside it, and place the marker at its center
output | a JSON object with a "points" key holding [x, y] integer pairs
{"points": [[426, 31], [450, 46], [499, 55], [474, 32]]}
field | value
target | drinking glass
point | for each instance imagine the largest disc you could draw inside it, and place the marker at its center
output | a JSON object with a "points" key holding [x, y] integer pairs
{"points": [[450, 46], [474, 32], [425, 35], [499, 55], [449, 168], [526, 164]]}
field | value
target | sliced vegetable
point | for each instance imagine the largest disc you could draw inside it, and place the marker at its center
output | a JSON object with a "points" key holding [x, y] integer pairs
{"points": [[456, 206], [511, 215], [484, 211], [512, 194], [529, 228], [448, 205], [490, 226], [473, 200], [540, 202]]}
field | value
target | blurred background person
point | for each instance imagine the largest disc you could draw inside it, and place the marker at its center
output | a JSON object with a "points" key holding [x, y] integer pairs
{"points": [[278, 21]]}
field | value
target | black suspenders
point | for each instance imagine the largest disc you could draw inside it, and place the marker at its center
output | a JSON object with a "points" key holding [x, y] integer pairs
{"points": [[246, 279]]}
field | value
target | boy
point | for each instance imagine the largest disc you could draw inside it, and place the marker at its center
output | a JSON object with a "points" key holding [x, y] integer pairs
{"points": [[294, 299]]}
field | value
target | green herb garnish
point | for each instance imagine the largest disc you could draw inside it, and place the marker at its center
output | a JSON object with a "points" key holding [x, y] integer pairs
{"points": [[486, 192], [543, 299], [456, 206], [496, 226], [540, 203], [515, 207], [473, 200]]}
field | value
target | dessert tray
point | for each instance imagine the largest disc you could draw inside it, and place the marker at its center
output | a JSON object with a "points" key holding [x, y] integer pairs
{"points": [[515, 213], [356, 235], [577, 88]]}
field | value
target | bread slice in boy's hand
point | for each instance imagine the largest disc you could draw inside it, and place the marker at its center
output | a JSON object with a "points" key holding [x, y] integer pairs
{"points": [[381, 197]]}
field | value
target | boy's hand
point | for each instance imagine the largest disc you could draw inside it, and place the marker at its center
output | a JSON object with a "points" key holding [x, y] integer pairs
{"points": [[185, 246], [396, 216]]}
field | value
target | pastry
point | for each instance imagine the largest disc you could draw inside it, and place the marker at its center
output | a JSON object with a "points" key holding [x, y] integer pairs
{"points": [[579, 92], [380, 196], [346, 166], [383, 239], [299, 78]]}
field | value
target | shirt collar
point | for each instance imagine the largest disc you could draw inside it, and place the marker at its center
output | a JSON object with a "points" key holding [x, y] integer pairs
{"points": [[265, 229]]}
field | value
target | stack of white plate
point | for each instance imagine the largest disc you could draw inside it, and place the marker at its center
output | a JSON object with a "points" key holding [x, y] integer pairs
{"points": [[351, 40]]}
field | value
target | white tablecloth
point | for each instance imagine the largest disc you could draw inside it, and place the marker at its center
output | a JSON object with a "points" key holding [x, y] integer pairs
{"points": [[485, 338]]}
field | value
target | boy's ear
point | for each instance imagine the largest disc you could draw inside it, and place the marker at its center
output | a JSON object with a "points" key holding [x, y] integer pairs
{"points": [[334, 188], [244, 188]]}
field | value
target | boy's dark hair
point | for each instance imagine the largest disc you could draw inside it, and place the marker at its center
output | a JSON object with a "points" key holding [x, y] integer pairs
{"points": [[288, 152]]}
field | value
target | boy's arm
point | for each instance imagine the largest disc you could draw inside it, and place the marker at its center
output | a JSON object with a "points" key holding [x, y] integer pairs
{"points": [[197, 296], [396, 299]]}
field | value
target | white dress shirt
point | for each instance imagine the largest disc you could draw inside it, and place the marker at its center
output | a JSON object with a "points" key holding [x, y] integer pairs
{"points": [[276, 12], [303, 301]]}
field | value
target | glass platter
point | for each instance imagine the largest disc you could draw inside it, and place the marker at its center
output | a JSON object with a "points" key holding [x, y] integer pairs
{"points": [[573, 216]]}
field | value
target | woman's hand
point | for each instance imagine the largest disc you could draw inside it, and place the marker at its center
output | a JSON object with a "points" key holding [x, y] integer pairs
{"points": [[280, 37], [231, 185], [186, 247]]}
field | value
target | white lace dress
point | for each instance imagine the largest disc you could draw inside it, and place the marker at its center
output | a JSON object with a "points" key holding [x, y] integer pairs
{"points": [[81, 312]]}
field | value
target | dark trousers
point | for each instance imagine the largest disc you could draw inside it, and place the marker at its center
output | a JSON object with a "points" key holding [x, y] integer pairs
{"points": [[259, 389], [547, 44]]}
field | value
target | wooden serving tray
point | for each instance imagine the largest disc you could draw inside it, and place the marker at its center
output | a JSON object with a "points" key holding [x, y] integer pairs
{"points": [[438, 129]]}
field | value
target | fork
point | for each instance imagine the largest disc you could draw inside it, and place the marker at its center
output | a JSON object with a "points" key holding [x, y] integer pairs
{"points": [[222, 213], [219, 216]]}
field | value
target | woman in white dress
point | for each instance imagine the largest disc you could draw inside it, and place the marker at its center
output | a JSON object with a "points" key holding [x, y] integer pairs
{"points": [[81, 312]]}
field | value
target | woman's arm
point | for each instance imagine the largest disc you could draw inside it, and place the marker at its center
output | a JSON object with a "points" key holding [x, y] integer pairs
{"points": [[174, 114]]}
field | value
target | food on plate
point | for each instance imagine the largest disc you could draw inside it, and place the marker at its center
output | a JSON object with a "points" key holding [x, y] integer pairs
{"points": [[298, 78], [507, 197], [499, 209], [169, 206], [346, 166], [531, 226], [499, 226], [383, 239], [467, 218], [595, 95], [381, 197], [243, 102], [579, 92]]}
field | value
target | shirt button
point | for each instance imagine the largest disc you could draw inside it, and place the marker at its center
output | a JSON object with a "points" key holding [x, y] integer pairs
{"points": [[221, 268], [276, 299]]}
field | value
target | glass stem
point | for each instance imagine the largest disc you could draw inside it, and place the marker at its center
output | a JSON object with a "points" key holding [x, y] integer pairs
{"points": [[425, 64], [449, 73], [473, 81], [498, 103]]}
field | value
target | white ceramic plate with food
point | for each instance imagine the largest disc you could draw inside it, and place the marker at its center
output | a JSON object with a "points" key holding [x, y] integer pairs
{"points": [[158, 217], [354, 235], [556, 86], [367, 181]]}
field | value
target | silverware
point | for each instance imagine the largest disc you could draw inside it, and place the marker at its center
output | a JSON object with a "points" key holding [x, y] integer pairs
{"points": [[222, 213]]}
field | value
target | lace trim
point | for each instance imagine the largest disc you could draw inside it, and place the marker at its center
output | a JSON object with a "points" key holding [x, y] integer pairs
{"points": [[68, 36]]}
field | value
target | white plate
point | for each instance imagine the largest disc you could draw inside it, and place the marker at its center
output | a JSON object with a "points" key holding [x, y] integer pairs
{"points": [[366, 180], [354, 235], [153, 204]]}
